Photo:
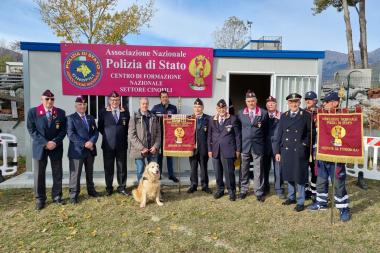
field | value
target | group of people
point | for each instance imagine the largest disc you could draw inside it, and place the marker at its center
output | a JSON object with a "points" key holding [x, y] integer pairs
{"points": [[258, 137]]}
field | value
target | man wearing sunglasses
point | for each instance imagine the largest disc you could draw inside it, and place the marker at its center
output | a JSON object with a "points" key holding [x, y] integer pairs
{"points": [[113, 125], [47, 127]]}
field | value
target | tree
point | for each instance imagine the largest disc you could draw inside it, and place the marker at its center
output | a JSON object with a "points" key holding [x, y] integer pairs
{"points": [[233, 34], [321, 5], [94, 21]]}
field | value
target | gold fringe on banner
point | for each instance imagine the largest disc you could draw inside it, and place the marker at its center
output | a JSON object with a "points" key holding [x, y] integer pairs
{"points": [[178, 153], [340, 159]]}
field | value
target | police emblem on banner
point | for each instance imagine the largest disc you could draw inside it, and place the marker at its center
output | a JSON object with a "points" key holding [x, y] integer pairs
{"points": [[199, 68], [82, 69]]}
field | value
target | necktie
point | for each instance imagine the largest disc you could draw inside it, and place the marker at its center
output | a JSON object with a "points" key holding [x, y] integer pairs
{"points": [[199, 122], [251, 116], [221, 121], [49, 118], [115, 116], [293, 114], [85, 121]]}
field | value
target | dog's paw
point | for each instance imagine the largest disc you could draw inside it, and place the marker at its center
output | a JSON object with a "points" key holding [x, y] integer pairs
{"points": [[160, 203]]}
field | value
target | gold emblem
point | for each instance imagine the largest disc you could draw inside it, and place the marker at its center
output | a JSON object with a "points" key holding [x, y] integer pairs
{"points": [[199, 68], [179, 133], [259, 124], [338, 132], [124, 122], [57, 125], [205, 128]]}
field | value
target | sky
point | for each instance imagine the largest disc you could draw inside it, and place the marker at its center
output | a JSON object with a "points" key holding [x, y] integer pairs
{"points": [[192, 23]]}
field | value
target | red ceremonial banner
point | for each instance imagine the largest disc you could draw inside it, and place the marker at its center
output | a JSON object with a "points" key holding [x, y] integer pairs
{"points": [[340, 137], [179, 135], [93, 69]]}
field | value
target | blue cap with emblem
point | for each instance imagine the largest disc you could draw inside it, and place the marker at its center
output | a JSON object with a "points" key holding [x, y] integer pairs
{"points": [[332, 96], [221, 103], [310, 95]]}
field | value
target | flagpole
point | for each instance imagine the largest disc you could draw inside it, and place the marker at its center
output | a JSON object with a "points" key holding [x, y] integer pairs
{"points": [[179, 107]]}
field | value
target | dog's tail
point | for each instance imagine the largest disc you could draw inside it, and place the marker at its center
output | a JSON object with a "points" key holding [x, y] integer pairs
{"points": [[136, 195]]}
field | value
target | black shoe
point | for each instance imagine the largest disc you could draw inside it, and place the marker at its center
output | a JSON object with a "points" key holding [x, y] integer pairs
{"points": [[58, 201], [74, 201], [243, 195], [207, 190], [124, 192], [218, 195], [299, 208], [192, 189], [232, 196], [308, 194], [289, 202], [174, 179], [109, 193], [361, 183], [40, 205], [314, 198], [260, 198], [94, 194]]}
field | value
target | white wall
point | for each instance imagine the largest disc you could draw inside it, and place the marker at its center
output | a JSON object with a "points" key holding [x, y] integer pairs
{"points": [[45, 73]]}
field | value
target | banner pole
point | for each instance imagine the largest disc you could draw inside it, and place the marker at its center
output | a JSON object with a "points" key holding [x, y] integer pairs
{"points": [[179, 107]]}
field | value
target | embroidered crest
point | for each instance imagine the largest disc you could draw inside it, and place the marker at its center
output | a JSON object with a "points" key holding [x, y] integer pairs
{"points": [[228, 128], [259, 124]]}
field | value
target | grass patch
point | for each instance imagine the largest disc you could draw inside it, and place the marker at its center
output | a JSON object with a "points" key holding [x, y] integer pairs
{"points": [[186, 223]]}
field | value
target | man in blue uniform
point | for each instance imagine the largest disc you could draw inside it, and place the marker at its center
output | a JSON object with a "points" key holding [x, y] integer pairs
{"points": [[47, 127], [160, 110], [113, 125], [253, 121], [200, 154], [269, 157], [83, 135], [311, 101], [224, 145], [292, 150], [338, 174]]}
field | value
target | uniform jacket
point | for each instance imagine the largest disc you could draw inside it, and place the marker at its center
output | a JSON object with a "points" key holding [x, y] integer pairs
{"points": [[270, 138], [78, 135], [41, 133], [137, 133], [202, 128], [253, 134], [115, 134], [292, 142], [224, 141]]}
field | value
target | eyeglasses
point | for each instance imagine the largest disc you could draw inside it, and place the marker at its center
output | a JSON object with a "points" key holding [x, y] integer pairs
{"points": [[47, 99]]}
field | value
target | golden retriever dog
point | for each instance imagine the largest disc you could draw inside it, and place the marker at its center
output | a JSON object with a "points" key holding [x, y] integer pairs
{"points": [[149, 186]]}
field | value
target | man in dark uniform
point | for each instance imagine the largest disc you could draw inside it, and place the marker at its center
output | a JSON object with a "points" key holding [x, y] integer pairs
{"points": [[83, 135], [253, 121], [160, 110], [200, 154], [47, 127], [311, 101], [292, 150], [113, 125], [269, 157], [338, 174], [224, 145]]}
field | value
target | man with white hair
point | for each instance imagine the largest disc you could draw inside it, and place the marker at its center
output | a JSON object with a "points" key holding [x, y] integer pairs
{"points": [[144, 134]]}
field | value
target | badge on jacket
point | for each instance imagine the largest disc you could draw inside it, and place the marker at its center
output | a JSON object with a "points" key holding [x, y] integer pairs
{"points": [[124, 122], [228, 128], [57, 124], [205, 128], [259, 124]]}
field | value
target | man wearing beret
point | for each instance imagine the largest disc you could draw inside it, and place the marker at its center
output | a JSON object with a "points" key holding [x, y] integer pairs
{"points": [[336, 173], [47, 127], [292, 150], [311, 101], [224, 145], [113, 125], [269, 157], [164, 107], [253, 121], [83, 135], [200, 154]]}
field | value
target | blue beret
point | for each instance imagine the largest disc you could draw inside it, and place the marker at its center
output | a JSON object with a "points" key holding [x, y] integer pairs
{"points": [[332, 96], [311, 95], [80, 99], [221, 103]]}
